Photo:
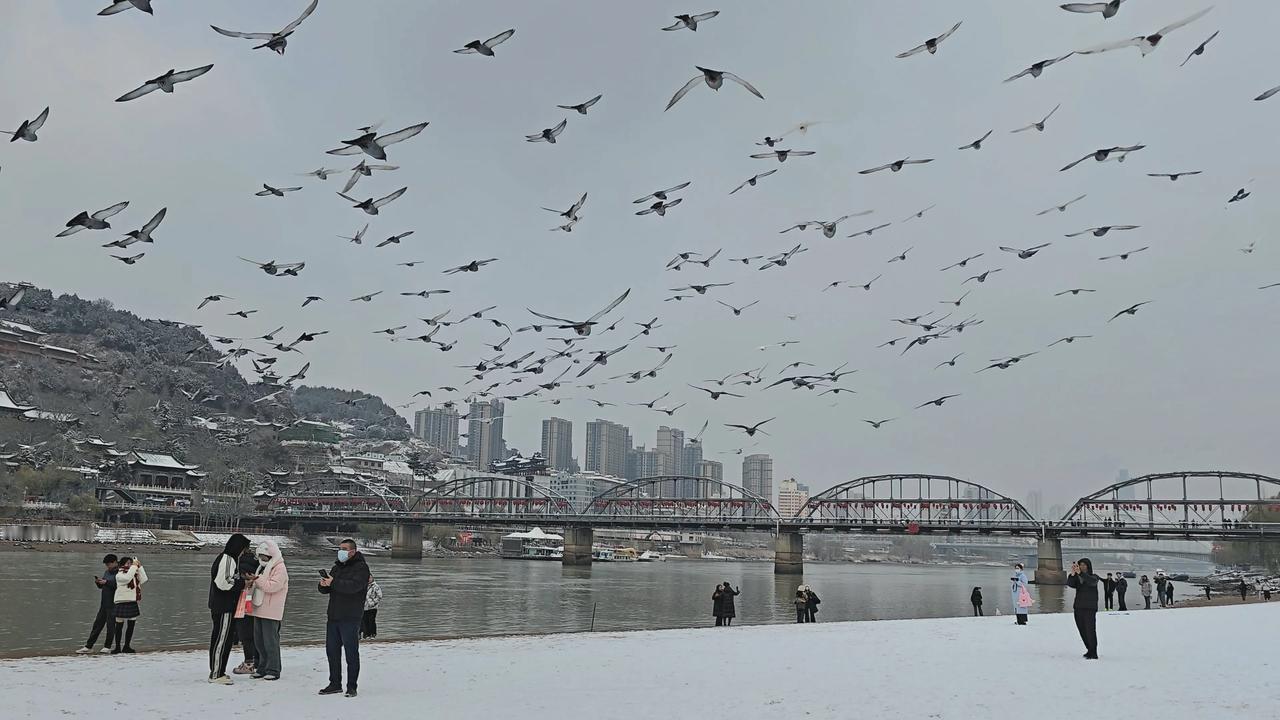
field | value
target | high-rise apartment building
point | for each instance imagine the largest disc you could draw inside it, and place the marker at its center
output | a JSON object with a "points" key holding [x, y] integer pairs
{"points": [[643, 463], [792, 496], [484, 434], [711, 469], [557, 443], [757, 475], [439, 427], [1035, 504], [608, 445], [671, 444]]}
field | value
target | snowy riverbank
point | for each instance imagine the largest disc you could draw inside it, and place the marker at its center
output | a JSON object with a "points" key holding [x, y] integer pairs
{"points": [[1185, 665]]}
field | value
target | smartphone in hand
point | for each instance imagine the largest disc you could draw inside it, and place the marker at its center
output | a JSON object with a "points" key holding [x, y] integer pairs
{"points": [[324, 573]]}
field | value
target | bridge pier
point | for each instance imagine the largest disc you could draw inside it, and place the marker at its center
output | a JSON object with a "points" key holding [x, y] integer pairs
{"points": [[1049, 562], [788, 553], [406, 541], [577, 545]]}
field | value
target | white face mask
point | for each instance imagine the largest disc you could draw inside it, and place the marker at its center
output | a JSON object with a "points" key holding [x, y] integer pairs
{"points": [[343, 556]]}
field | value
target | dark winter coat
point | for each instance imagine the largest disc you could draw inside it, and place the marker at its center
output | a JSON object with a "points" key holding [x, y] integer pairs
{"points": [[812, 601], [976, 597], [348, 589], [1109, 585], [1122, 585], [717, 603], [225, 581], [108, 599], [727, 605], [1086, 587]]}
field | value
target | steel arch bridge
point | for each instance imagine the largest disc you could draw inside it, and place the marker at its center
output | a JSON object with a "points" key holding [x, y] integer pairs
{"points": [[914, 503], [492, 498], [1208, 503], [335, 493], [679, 500]]}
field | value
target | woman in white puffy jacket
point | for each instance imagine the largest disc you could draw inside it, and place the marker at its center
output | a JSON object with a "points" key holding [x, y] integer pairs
{"points": [[129, 582]]}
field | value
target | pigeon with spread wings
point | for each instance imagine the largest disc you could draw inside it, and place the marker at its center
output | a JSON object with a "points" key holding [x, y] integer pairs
{"points": [[930, 45], [95, 221], [28, 129], [371, 206], [275, 41], [691, 21], [713, 79], [164, 83], [583, 327], [582, 107], [486, 47], [1101, 155], [1146, 43], [374, 145], [1108, 9]]}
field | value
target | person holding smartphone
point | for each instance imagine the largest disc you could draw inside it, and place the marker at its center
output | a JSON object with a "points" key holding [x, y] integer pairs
{"points": [[728, 606], [1085, 605], [347, 585], [225, 585], [106, 606]]}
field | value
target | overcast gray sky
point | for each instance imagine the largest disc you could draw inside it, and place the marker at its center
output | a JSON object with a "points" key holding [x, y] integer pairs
{"points": [[1189, 383]]}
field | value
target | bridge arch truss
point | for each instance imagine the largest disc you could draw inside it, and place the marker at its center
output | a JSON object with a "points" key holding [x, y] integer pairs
{"points": [[671, 499], [493, 498], [914, 502], [1218, 501], [335, 493]]}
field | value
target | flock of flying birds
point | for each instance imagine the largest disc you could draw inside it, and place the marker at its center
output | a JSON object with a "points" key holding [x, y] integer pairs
{"points": [[502, 371]]}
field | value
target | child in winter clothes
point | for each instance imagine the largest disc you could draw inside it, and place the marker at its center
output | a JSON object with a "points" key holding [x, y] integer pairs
{"points": [[129, 581], [369, 622]]}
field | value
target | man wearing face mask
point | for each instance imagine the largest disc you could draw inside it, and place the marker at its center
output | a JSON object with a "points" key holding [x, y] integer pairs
{"points": [[346, 585]]}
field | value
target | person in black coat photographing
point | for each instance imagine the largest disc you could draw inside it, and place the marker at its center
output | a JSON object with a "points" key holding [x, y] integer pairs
{"points": [[1085, 583], [346, 584]]}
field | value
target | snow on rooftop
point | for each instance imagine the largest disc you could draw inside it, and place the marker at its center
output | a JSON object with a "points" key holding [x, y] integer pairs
{"points": [[7, 403], [534, 534], [161, 460], [1186, 664]]}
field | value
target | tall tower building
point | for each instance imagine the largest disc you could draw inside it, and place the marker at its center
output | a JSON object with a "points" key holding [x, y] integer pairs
{"points": [[646, 463], [671, 444], [439, 427], [608, 445], [792, 496], [757, 475], [709, 470], [557, 443], [484, 434]]}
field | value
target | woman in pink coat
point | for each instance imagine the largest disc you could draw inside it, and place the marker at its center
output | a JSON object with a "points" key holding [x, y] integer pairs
{"points": [[270, 587]]}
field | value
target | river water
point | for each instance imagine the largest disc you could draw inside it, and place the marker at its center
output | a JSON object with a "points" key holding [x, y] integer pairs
{"points": [[50, 600]]}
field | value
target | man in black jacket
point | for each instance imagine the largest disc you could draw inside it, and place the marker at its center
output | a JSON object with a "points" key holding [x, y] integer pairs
{"points": [[1122, 587], [106, 606], [346, 585], [1085, 605], [1109, 588]]}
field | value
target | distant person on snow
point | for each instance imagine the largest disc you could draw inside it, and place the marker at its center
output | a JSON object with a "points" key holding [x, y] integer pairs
{"points": [[1122, 587], [1244, 590], [106, 607], [225, 587], [728, 608], [976, 599], [1109, 588], [129, 582], [1021, 595], [812, 601], [801, 603], [1145, 586], [717, 604], [1085, 604], [372, 599], [1168, 593], [1208, 593], [1161, 581]]}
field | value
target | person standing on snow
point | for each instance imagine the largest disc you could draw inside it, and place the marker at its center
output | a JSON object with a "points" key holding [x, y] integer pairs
{"points": [[801, 603], [1085, 605], [728, 608], [1021, 595], [1145, 586], [106, 607], [129, 581], [269, 588], [225, 586], [717, 604], [1109, 589], [1122, 586], [812, 601], [1244, 590], [248, 565], [346, 584], [369, 622], [976, 599]]}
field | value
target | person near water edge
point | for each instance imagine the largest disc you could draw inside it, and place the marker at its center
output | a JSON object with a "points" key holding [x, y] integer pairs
{"points": [[1085, 605], [1109, 590], [801, 602], [346, 584], [129, 581], [106, 606], [976, 599], [1021, 595], [269, 588], [225, 586], [812, 601], [372, 599], [717, 604], [728, 608]]}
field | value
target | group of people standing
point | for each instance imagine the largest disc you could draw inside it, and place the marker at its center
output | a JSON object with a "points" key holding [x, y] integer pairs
{"points": [[247, 593], [806, 603], [1163, 589], [723, 605], [118, 606], [1114, 588]]}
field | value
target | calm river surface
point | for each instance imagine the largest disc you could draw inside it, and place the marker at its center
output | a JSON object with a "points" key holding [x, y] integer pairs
{"points": [[50, 600]]}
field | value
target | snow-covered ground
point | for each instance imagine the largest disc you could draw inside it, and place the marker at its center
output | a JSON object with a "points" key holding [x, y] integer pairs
{"points": [[1187, 664]]}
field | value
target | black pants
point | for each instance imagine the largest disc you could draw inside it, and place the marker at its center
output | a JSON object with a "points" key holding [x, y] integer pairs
{"points": [[1148, 599], [1120, 597], [369, 623], [1242, 594], [343, 637], [811, 614], [719, 620], [220, 642], [977, 609], [1087, 624], [1022, 618], [802, 615], [1108, 601], [103, 619], [244, 630]]}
